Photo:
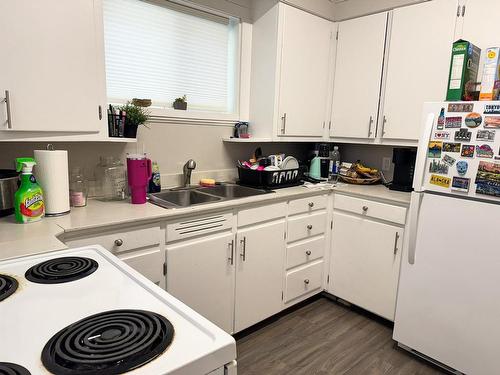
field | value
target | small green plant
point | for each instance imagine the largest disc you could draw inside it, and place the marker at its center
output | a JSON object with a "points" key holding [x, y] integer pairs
{"points": [[181, 100], [135, 115]]}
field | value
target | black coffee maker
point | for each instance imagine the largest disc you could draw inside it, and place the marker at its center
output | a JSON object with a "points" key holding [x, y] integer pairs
{"points": [[404, 167]]}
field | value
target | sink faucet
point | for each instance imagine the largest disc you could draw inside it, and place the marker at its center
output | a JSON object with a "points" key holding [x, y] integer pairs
{"points": [[187, 169]]}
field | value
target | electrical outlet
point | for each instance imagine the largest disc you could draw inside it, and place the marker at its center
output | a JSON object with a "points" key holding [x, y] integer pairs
{"points": [[386, 164]]}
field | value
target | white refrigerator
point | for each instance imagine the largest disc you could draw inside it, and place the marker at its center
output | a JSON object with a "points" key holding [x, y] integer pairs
{"points": [[448, 304]]}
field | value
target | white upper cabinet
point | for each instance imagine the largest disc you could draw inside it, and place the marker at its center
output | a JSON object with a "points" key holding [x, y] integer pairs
{"points": [[305, 65], [417, 65], [49, 64], [290, 74], [358, 71], [479, 25]]}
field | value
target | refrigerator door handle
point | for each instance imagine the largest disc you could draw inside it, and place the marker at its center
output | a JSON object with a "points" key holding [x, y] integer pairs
{"points": [[416, 203], [421, 161]]}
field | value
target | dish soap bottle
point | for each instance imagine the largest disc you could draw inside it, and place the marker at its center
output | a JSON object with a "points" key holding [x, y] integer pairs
{"points": [[28, 200]]}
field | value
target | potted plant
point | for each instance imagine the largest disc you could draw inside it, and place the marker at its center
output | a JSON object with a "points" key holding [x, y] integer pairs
{"points": [[135, 116], [180, 103]]}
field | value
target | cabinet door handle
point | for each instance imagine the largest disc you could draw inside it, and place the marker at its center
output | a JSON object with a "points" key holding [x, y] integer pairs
{"points": [[309, 227], [311, 204], [6, 100], [383, 125], [396, 238], [119, 242], [283, 123], [306, 281], [370, 126], [365, 208], [308, 252], [231, 247], [243, 254]]}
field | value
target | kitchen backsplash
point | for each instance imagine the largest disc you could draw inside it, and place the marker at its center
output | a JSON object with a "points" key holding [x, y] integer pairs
{"points": [[172, 145]]}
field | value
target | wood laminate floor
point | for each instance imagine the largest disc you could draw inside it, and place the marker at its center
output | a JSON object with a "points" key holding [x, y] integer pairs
{"points": [[325, 337]]}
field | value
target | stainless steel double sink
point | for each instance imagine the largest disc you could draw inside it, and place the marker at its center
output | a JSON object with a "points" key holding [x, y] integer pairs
{"points": [[191, 196]]}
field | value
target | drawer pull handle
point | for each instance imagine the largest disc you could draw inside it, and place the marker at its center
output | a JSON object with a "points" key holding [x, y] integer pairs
{"points": [[365, 208], [396, 238], [309, 227], [311, 204], [306, 281], [308, 252], [119, 242]]}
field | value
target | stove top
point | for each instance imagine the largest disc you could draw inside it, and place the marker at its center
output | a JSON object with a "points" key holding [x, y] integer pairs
{"points": [[113, 321], [61, 270], [8, 285], [8, 368], [109, 343]]}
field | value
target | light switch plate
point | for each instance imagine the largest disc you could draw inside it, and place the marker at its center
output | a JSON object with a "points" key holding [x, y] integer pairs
{"points": [[386, 164]]}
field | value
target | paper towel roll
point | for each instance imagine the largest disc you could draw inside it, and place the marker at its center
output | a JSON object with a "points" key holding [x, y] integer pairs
{"points": [[51, 172]]}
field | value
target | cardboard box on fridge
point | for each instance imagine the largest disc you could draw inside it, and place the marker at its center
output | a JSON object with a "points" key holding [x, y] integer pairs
{"points": [[490, 84], [463, 69]]}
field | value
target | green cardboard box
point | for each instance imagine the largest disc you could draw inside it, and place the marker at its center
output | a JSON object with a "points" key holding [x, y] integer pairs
{"points": [[463, 68]]}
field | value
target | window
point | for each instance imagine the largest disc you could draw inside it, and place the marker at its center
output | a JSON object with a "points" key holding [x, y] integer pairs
{"points": [[161, 50]]}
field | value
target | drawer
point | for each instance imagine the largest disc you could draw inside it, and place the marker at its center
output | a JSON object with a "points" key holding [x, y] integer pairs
{"points": [[303, 205], [370, 208], [262, 213], [305, 251], [196, 226], [306, 226], [148, 262], [121, 241], [303, 280]]}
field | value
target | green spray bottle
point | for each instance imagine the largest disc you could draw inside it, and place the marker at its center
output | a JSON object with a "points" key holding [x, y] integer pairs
{"points": [[28, 200]]}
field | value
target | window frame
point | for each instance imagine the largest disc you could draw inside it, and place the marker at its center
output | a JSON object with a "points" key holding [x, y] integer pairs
{"points": [[241, 82]]}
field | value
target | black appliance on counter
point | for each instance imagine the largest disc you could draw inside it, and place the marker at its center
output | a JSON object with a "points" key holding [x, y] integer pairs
{"points": [[404, 167]]}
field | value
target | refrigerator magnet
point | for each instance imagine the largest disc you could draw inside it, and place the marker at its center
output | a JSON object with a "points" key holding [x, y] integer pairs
{"points": [[440, 135], [453, 122], [485, 135], [460, 184], [467, 151], [473, 120], [451, 147], [463, 135], [447, 159], [435, 148], [461, 107], [492, 109], [437, 166], [462, 167], [484, 151], [492, 122], [440, 181]]}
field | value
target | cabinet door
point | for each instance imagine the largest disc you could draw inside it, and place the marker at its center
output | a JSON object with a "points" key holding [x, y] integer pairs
{"points": [[358, 72], [200, 273], [418, 65], [365, 264], [49, 65], [480, 18], [148, 262], [305, 61], [259, 273]]}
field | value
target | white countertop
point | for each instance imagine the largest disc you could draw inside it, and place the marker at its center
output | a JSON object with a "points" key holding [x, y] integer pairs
{"points": [[25, 239]]}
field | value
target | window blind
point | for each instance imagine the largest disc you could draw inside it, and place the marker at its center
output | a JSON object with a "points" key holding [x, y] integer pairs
{"points": [[161, 51]]}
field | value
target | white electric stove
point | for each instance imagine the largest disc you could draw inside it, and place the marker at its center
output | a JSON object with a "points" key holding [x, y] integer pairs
{"points": [[83, 311]]}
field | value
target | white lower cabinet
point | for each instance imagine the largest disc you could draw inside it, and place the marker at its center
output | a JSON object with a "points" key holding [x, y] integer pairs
{"points": [[200, 272], [141, 247], [259, 273], [365, 262]]}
